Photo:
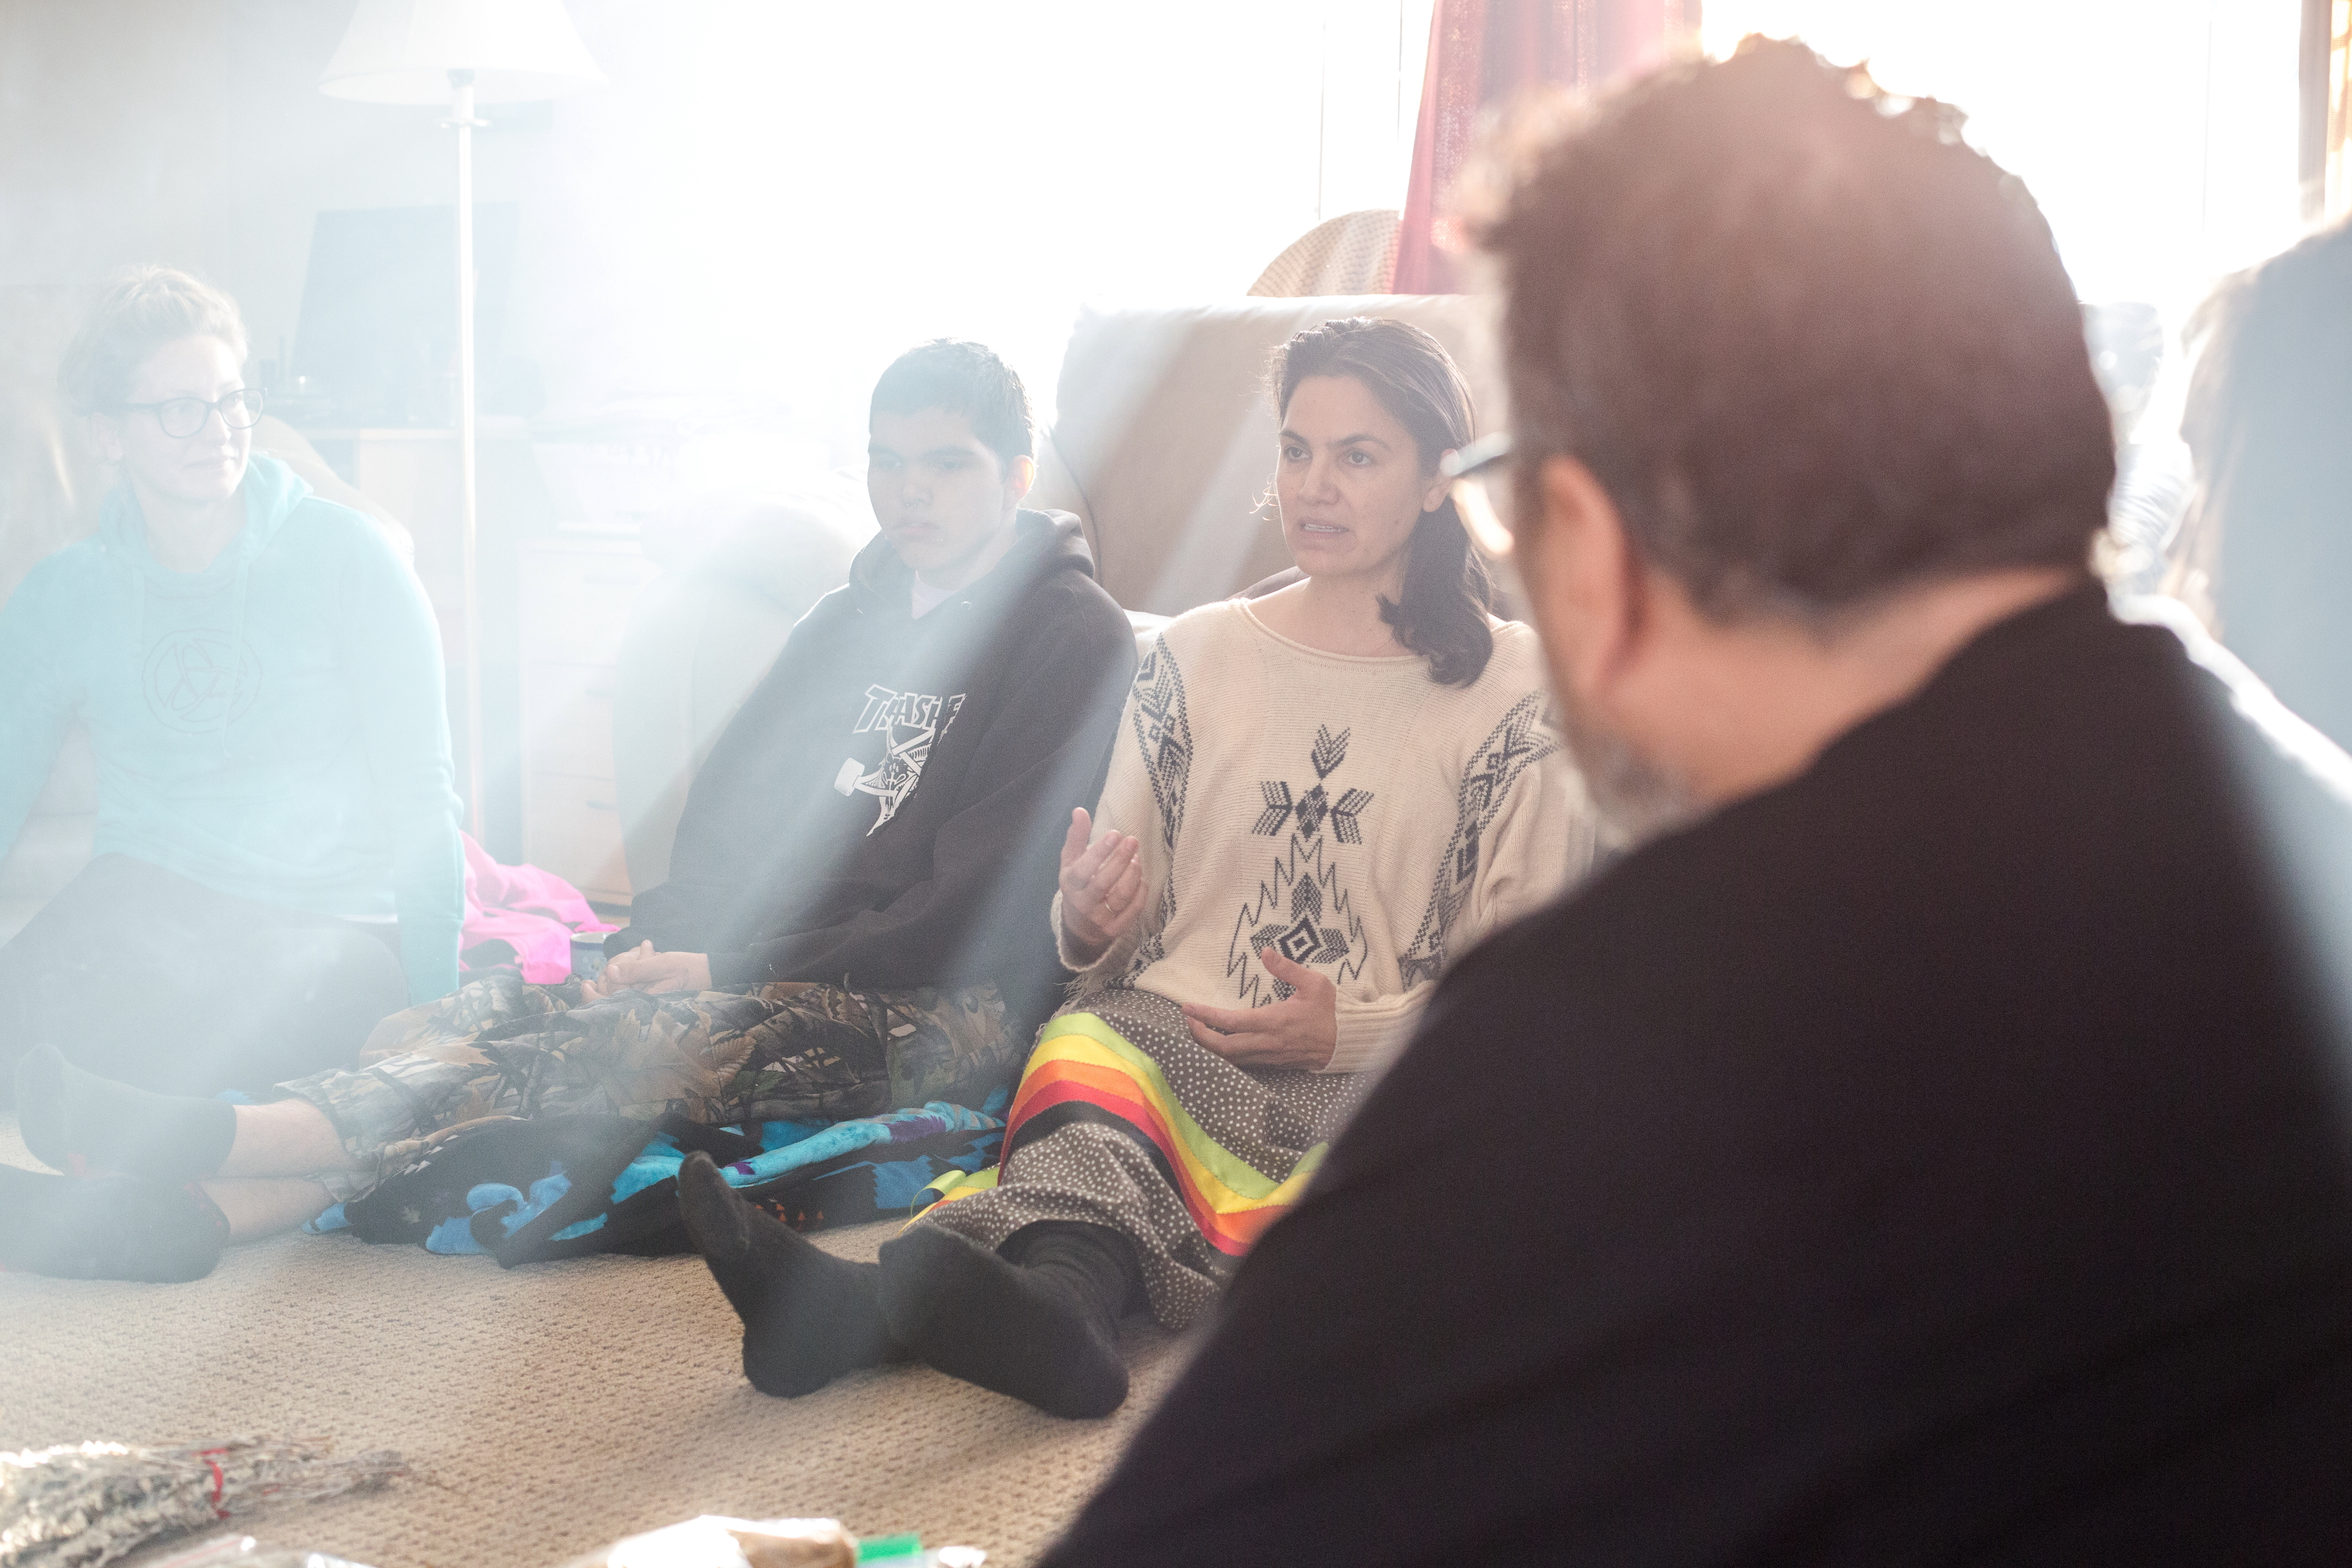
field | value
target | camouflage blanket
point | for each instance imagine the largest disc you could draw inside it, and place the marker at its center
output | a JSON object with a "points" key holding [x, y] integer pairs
{"points": [[788, 1051]]}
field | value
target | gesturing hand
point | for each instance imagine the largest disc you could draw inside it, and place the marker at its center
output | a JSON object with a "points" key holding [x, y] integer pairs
{"points": [[1102, 888], [1302, 1030], [643, 969]]}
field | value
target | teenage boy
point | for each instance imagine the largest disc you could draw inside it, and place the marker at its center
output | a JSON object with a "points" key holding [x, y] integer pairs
{"points": [[854, 916]]}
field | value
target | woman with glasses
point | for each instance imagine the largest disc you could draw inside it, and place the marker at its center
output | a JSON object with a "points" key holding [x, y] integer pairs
{"points": [[277, 864]]}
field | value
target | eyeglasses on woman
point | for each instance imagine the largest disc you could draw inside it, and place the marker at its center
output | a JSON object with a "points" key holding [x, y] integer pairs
{"points": [[181, 417]]}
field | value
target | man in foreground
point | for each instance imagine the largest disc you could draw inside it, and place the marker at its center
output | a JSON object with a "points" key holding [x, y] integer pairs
{"points": [[1928, 1146], [853, 919]]}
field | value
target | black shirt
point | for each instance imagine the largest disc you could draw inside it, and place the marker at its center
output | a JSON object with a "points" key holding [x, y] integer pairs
{"points": [[1941, 1157]]}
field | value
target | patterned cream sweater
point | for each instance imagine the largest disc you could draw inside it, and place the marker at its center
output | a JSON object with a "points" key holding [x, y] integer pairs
{"points": [[1349, 812]]}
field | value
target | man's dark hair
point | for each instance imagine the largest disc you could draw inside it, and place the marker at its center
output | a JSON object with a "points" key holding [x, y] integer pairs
{"points": [[1813, 345], [963, 378]]}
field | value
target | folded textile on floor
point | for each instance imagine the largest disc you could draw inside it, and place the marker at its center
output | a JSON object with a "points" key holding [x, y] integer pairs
{"points": [[534, 912], [561, 1187]]}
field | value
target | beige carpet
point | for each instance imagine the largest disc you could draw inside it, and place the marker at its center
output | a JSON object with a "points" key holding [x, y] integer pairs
{"points": [[547, 1409]]}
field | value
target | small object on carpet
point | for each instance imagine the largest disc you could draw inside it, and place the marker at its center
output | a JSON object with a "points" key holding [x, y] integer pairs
{"points": [[77, 1505], [245, 1552], [713, 1540]]}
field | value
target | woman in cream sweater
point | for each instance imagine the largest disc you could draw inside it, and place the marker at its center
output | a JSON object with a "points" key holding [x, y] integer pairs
{"points": [[1319, 798]]}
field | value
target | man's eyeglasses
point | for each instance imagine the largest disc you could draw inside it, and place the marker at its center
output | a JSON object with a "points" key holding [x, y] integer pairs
{"points": [[1481, 487], [181, 417]]}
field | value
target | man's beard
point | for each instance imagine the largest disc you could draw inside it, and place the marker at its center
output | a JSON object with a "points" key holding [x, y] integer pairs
{"points": [[1636, 799]]}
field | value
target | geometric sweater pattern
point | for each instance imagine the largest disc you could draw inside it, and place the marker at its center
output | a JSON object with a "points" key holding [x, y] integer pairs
{"points": [[1348, 812]]}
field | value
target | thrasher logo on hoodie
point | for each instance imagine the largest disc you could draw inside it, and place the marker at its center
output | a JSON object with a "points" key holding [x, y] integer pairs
{"points": [[909, 722]]}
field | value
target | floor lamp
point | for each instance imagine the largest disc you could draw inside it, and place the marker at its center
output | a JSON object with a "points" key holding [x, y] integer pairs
{"points": [[462, 53]]}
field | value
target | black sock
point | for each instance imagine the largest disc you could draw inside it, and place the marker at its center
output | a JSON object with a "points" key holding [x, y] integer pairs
{"points": [[808, 1316], [1041, 1324], [1097, 1265], [107, 1228], [83, 1124]]}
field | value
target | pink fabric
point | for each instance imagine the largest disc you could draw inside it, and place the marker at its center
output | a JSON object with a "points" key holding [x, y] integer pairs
{"points": [[534, 912]]}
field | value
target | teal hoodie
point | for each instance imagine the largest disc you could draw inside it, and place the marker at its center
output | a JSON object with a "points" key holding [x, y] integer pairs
{"points": [[272, 726]]}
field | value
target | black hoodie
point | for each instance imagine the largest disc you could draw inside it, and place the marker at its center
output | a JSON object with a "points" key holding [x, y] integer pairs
{"points": [[886, 809]]}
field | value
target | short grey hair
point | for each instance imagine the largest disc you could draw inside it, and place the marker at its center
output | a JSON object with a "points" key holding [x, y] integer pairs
{"points": [[138, 310]]}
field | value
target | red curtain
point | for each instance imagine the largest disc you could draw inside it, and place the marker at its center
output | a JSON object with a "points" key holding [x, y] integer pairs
{"points": [[1484, 52]]}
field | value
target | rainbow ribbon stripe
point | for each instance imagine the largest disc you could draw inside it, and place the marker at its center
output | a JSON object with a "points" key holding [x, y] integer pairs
{"points": [[1084, 1070]]}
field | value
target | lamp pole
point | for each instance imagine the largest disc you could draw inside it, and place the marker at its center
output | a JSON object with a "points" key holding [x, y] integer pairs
{"points": [[462, 120], [503, 51]]}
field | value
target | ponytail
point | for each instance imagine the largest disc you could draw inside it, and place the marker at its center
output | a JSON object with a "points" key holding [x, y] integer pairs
{"points": [[1441, 613]]}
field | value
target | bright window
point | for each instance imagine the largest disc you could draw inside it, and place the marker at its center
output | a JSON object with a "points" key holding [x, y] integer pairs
{"points": [[771, 201], [2157, 135]]}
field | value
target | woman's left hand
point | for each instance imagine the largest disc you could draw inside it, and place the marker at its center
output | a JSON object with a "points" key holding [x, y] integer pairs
{"points": [[643, 969], [1300, 1031]]}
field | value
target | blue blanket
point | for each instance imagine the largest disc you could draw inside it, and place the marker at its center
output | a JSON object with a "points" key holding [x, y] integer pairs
{"points": [[904, 1151]]}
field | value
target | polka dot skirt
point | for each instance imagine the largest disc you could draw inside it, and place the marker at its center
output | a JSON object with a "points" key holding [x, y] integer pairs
{"points": [[1089, 1172]]}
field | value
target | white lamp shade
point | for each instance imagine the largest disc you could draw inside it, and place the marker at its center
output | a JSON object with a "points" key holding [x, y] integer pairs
{"points": [[402, 51]]}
